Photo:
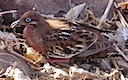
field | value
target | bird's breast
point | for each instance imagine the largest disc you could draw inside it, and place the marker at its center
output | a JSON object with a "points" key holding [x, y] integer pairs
{"points": [[32, 39]]}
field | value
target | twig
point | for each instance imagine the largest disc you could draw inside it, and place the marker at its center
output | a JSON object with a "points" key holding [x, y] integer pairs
{"points": [[106, 64], [6, 12], [99, 59], [117, 67], [48, 16], [123, 21], [104, 16], [117, 49], [64, 65], [17, 54]]}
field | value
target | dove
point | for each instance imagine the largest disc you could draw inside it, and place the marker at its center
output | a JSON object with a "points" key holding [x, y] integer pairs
{"points": [[60, 40]]}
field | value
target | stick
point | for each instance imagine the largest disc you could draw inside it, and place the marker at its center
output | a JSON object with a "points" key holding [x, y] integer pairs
{"points": [[117, 49], [104, 16], [6, 12]]}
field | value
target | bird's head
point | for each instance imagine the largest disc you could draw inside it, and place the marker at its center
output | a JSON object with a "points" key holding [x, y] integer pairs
{"points": [[32, 18]]}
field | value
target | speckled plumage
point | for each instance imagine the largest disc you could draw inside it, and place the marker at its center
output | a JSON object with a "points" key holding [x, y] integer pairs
{"points": [[63, 41]]}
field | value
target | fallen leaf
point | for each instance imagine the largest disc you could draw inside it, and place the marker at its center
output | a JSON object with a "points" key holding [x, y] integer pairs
{"points": [[74, 12]]}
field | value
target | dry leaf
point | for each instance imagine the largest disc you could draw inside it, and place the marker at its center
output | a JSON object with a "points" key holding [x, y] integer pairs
{"points": [[16, 74], [121, 37], [7, 60], [123, 5], [79, 72], [73, 13], [123, 64], [56, 73], [123, 31]]}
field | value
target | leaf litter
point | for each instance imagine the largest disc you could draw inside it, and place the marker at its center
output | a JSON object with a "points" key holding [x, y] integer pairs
{"points": [[18, 61]]}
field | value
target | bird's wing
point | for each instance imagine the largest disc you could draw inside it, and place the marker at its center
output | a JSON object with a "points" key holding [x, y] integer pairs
{"points": [[68, 43], [97, 47]]}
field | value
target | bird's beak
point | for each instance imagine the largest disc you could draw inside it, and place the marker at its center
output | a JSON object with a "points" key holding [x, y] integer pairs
{"points": [[16, 23]]}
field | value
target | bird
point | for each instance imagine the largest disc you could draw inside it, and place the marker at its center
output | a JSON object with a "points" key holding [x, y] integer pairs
{"points": [[60, 40]]}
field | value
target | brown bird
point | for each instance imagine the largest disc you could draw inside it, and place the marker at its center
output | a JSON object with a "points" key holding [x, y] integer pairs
{"points": [[60, 39]]}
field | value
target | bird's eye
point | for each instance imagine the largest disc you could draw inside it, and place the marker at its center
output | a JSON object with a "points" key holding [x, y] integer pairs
{"points": [[28, 20]]}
